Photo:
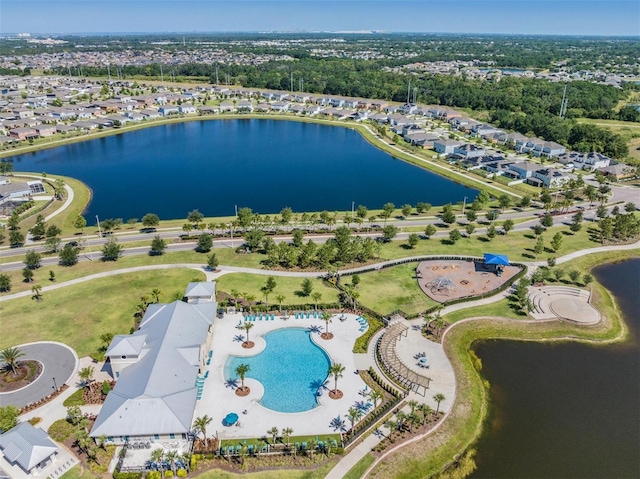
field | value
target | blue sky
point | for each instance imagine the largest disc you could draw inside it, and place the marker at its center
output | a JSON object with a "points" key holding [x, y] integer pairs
{"points": [[549, 17]]}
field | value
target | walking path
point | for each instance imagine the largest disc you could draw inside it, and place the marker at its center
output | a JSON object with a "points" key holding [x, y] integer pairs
{"points": [[213, 275]]}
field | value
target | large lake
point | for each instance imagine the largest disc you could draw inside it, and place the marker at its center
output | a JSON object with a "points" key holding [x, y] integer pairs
{"points": [[215, 165], [566, 410]]}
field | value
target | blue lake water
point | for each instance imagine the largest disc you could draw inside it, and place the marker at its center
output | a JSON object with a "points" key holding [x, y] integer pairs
{"points": [[263, 164], [566, 410], [291, 368]]}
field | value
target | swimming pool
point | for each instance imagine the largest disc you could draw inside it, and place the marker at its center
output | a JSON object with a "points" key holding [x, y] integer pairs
{"points": [[291, 368]]}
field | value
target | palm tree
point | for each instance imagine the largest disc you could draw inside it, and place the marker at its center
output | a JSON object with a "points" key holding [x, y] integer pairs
{"points": [[155, 292], [286, 432], [235, 294], [10, 356], [438, 398], [241, 370], [375, 396], [157, 455], [391, 425], [250, 299], [413, 419], [353, 415], [273, 432], [316, 297], [247, 326], [200, 425], [336, 369], [426, 411], [413, 404], [280, 299], [86, 375], [171, 457], [326, 317], [401, 418]]}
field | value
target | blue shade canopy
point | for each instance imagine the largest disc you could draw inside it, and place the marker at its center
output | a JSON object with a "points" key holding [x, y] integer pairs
{"points": [[498, 259]]}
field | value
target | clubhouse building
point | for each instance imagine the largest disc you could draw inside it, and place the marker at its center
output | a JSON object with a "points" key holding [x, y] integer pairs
{"points": [[157, 371]]}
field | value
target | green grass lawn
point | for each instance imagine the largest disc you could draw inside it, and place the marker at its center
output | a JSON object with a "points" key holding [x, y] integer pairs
{"points": [[286, 286], [66, 218], [79, 472], [518, 245], [319, 473], [65, 273], [362, 465], [78, 315], [393, 288]]}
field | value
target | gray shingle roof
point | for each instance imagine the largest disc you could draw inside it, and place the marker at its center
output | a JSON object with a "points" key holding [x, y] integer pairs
{"points": [[200, 289], [26, 445], [157, 394]]}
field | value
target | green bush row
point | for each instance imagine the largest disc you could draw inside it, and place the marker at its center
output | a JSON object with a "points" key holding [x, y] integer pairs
{"points": [[383, 384], [128, 475]]}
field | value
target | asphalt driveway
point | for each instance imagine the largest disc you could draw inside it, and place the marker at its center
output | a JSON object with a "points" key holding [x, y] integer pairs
{"points": [[60, 363]]}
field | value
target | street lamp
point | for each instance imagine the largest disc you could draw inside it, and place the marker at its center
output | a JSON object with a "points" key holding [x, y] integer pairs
{"points": [[464, 204], [55, 386], [99, 230]]}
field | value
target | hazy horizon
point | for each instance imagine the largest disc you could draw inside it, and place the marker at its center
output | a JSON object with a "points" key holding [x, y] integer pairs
{"points": [[467, 17]]}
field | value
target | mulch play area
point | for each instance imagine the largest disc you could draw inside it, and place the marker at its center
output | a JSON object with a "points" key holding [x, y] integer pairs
{"points": [[444, 280]]}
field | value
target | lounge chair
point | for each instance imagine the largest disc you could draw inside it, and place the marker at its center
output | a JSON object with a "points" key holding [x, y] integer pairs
{"points": [[297, 445], [265, 448], [304, 444], [223, 450]]}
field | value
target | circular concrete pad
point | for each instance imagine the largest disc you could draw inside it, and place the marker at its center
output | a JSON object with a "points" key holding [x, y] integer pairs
{"points": [[575, 310]]}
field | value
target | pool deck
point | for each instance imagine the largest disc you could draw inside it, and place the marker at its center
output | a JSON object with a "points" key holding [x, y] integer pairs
{"points": [[218, 400]]}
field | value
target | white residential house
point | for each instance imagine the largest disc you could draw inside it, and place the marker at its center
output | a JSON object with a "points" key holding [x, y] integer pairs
{"points": [[187, 109], [446, 147], [166, 110], [245, 105], [550, 177], [468, 151], [524, 169], [548, 149]]}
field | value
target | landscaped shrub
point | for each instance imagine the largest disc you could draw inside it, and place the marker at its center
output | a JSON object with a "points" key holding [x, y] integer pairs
{"points": [[168, 474], [181, 473], [337, 450], [128, 475], [153, 475], [35, 420], [106, 387]]}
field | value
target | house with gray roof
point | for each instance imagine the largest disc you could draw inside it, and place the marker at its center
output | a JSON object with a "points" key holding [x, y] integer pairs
{"points": [[156, 369], [28, 447], [200, 291]]}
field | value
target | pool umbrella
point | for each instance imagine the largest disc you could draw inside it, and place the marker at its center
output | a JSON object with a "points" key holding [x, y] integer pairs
{"points": [[230, 419]]}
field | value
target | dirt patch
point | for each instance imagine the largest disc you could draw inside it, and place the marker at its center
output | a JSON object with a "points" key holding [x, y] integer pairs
{"points": [[242, 392], [248, 344], [326, 336], [335, 394], [26, 373]]}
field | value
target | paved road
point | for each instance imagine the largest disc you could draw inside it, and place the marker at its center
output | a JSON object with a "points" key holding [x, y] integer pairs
{"points": [[60, 364]]}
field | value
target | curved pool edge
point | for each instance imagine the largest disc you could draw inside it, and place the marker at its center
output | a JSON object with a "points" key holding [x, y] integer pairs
{"points": [[226, 369]]}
